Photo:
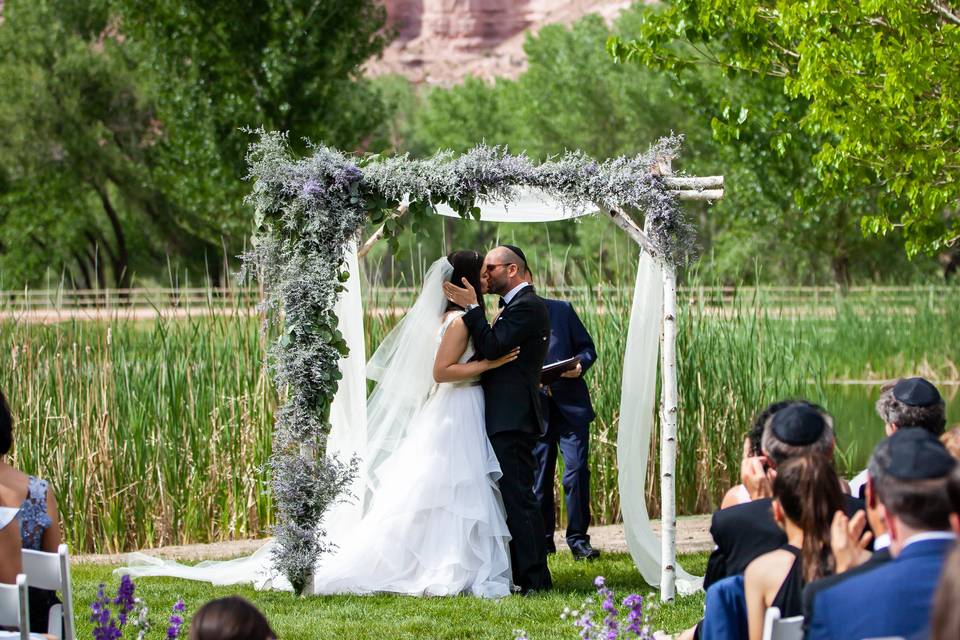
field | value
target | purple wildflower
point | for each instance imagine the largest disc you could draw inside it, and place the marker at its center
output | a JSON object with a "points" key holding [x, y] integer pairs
{"points": [[104, 627], [124, 599], [176, 620], [599, 582], [635, 617]]}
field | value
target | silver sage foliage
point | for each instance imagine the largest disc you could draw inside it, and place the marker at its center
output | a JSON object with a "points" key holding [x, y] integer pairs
{"points": [[307, 210]]}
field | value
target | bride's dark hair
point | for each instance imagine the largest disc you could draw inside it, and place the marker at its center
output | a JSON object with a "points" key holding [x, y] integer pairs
{"points": [[466, 264]]}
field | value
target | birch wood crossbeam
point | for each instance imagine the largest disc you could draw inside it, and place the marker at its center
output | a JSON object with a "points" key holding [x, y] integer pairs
{"points": [[707, 195], [705, 189], [378, 234]]}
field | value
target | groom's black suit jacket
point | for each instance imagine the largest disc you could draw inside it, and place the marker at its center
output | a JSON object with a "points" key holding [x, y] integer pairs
{"points": [[513, 402]]}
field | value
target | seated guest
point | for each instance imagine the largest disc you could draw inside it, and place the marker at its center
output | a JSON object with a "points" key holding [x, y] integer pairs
{"points": [[806, 495], [945, 623], [910, 469], [908, 402], [751, 466], [231, 618], [37, 515], [951, 440], [746, 531], [852, 560], [953, 492], [9, 545]]}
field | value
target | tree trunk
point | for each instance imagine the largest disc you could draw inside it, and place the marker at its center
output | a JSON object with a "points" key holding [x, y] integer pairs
{"points": [[120, 259], [81, 261]]}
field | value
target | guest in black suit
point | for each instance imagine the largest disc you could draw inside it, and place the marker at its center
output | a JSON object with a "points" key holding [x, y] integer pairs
{"points": [[514, 417], [568, 413], [746, 531]]}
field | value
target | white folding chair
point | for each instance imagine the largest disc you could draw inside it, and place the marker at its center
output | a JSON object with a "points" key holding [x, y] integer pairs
{"points": [[52, 571], [14, 608], [777, 628]]}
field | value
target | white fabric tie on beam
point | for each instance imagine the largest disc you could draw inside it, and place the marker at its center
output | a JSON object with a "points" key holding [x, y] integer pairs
{"points": [[530, 205]]}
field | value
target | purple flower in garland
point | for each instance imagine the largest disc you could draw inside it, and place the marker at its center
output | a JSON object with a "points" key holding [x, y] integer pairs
{"points": [[345, 179], [311, 189], [176, 620], [124, 599]]}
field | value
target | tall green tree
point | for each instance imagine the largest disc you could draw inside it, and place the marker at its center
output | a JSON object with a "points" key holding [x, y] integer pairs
{"points": [[879, 81], [121, 142]]}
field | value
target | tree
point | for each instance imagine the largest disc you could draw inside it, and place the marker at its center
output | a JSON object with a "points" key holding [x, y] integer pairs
{"points": [[120, 124], [879, 81]]}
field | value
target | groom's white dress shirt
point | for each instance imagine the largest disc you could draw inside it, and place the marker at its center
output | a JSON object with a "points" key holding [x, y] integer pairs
{"points": [[513, 292]]}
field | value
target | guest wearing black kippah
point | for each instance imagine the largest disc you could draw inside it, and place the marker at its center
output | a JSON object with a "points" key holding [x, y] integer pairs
{"points": [[909, 472], [743, 532], [907, 403], [746, 531]]}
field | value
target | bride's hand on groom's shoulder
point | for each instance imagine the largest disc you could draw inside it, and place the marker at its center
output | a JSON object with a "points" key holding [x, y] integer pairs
{"points": [[510, 356], [461, 296]]}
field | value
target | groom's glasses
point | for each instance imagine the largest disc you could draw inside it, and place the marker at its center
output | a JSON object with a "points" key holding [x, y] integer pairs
{"points": [[490, 267]]}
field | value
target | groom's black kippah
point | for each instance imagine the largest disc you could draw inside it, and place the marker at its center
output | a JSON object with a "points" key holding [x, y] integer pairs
{"points": [[798, 424], [519, 253], [916, 392]]}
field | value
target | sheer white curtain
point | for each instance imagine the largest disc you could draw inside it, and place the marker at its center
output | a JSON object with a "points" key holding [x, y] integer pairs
{"points": [[637, 404]]}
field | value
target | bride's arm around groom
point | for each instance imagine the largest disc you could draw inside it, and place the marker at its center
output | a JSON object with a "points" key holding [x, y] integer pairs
{"points": [[512, 401]]}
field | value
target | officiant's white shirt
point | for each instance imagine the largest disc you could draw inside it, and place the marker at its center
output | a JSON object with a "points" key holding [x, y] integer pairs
{"points": [[513, 292]]}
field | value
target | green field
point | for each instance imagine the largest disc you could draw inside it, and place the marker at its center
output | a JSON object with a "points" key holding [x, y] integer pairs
{"points": [[157, 432], [398, 617]]}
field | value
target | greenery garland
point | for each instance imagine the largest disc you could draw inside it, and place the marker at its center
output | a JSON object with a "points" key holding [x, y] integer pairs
{"points": [[307, 210]]}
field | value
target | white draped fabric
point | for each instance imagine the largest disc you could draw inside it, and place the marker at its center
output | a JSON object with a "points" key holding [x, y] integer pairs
{"points": [[637, 403]]}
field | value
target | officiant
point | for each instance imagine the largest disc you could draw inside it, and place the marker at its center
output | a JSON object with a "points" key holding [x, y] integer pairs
{"points": [[568, 413]]}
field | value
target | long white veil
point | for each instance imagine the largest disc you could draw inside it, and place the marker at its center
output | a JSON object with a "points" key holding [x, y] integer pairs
{"points": [[403, 369], [368, 429]]}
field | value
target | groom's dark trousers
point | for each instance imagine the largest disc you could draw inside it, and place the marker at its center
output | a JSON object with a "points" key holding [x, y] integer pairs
{"points": [[514, 423]]}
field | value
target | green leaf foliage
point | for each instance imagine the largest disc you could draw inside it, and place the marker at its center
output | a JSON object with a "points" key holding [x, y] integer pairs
{"points": [[877, 83]]}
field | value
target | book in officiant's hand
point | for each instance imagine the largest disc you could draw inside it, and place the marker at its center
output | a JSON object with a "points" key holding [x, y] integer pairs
{"points": [[551, 372]]}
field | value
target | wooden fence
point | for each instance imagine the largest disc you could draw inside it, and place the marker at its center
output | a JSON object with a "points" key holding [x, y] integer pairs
{"points": [[393, 297]]}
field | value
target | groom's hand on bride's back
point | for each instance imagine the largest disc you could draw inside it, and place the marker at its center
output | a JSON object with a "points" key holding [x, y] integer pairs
{"points": [[461, 296]]}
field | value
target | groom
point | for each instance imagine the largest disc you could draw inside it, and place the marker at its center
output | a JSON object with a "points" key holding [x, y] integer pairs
{"points": [[512, 398]]}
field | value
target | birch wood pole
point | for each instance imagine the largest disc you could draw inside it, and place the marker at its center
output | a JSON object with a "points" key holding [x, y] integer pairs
{"points": [[668, 425]]}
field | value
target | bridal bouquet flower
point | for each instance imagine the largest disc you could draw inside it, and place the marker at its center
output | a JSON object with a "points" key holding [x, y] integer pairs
{"points": [[129, 609]]}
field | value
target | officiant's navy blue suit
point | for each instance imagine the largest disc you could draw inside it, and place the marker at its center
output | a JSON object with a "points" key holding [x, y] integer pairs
{"points": [[894, 599], [568, 413]]}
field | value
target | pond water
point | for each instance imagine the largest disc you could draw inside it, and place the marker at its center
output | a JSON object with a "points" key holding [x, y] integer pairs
{"points": [[858, 427]]}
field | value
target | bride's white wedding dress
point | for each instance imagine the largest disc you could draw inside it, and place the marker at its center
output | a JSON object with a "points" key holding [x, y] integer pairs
{"points": [[432, 522], [436, 524]]}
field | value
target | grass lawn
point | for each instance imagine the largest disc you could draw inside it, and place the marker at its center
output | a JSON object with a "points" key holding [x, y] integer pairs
{"points": [[400, 617]]}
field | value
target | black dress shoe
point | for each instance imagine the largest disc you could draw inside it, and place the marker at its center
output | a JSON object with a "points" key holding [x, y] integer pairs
{"points": [[583, 551]]}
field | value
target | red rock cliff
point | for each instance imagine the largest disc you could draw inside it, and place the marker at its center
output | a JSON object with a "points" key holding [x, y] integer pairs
{"points": [[442, 41]]}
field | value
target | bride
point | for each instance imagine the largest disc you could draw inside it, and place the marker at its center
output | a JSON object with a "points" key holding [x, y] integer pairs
{"points": [[429, 516]]}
